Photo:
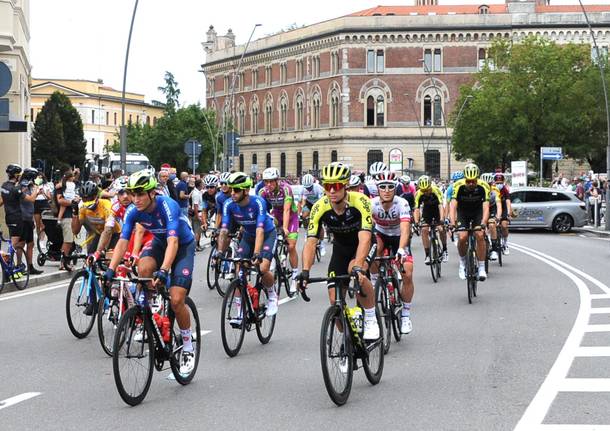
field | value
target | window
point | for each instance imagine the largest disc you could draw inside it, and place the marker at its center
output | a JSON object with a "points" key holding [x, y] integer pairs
{"points": [[372, 157], [93, 116], [428, 60], [438, 111], [334, 109], [242, 77], [333, 156], [315, 120], [241, 127], [517, 197], [432, 163], [268, 117], [115, 118], [226, 84], [283, 165], [427, 111], [129, 118], [255, 119], [375, 61], [556, 196], [433, 60], [283, 113], [315, 161], [433, 110], [603, 50], [268, 76], [212, 87], [537, 196], [315, 61], [299, 163], [137, 119], [334, 63], [268, 160], [482, 57], [299, 113], [283, 73], [254, 160], [147, 120], [241, 162], [437, 60], [299, 70], [254, 79], [375, 110], [107, 117], [483, 9]]}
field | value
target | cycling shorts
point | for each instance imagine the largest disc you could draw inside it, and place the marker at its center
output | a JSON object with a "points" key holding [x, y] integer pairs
{"points": [[246, 246], [92, 245], [431, 214], [392, 243], [465, 217], [341, 257], [182, 268]]}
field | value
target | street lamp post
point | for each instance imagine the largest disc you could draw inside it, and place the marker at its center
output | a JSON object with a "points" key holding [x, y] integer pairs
{"points": [[214, 138], [230, 103], [466, 100], [421, 133], [123, 131], [601, 70]]}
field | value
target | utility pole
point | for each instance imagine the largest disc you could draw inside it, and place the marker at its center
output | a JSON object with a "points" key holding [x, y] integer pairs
{"points": [[123, 130]]}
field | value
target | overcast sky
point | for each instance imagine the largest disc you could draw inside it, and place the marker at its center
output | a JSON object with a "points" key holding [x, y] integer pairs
{"points": [[86, 39]]}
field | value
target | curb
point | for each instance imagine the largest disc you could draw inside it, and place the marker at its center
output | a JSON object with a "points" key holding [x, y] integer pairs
{"points": [[597, 232], [41, 280]]}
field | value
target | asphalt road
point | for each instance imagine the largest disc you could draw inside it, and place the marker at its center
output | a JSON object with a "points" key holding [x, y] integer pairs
{"points": [[464, 367]]}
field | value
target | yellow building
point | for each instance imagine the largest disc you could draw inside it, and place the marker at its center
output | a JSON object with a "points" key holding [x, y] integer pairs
{"points": [[99, 107]]}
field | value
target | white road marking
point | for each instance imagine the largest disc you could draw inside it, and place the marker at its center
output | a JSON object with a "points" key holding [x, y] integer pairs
{"points": [[287, 299], [16, 295], [556, 380], [17, 399], [581, 427]]}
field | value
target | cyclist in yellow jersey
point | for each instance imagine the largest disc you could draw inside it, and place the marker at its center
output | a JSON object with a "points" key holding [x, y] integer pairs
{"points": [[495, 214], [429, 209], [348, 216]]}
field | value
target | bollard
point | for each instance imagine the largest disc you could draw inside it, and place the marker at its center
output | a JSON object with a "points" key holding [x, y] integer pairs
{"points": [[596, 214]]}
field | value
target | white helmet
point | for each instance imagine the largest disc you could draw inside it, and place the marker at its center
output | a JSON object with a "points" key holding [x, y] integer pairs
{"points": [[307, 180], [368, 179], [271, 174], [386, 177], [354, 181], [405, 179], [224, 177], [377, 168], [211, 181]]}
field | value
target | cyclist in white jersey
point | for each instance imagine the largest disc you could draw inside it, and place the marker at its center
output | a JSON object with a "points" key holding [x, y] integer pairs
{"points": [[392, 217], [310, 194]]}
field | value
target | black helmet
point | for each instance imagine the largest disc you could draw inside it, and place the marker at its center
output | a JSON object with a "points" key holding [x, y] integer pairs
{"points": [[89, 189], [29, 174], [13, 170]]}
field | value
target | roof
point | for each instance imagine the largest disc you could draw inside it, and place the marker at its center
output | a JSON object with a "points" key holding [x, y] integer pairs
{"points": [[430, 10], [572, 8]]}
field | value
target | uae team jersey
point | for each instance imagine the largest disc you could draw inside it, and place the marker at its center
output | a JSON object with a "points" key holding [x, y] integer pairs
{"points": [[166, 221], [388, 222], [251, 216]]}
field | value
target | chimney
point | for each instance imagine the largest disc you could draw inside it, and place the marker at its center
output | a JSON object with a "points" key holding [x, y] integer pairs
{"points": [[230, 36]]}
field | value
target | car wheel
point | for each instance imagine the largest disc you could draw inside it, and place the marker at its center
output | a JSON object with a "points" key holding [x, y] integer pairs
{"points": [[562, 223]]}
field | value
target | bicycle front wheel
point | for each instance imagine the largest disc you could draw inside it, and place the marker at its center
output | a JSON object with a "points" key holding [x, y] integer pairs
{"points": [[396, 308], [373, 359], [433, 259], [336, 355], [211, 272], [224, 273], [133, 356], [79, 312], [232, 319], [195, 341], [264, 324], [107, 323], [383, 305]]}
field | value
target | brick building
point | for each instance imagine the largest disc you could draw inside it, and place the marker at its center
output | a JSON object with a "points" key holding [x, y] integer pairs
{"points": [[378, 84]]}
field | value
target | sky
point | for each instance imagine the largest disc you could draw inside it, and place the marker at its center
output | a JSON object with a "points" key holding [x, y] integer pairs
{"points": [[86, 39]]}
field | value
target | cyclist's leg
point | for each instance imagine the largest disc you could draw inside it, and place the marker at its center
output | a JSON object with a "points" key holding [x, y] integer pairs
{"points": [[291, 244], [425, 231], [180, 285], [338, 265], [374, 268], [266, 254]]}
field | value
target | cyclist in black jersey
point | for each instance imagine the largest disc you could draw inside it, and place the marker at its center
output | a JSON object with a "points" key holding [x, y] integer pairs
{"points": [[208, 200], [348, 216], [428, 208], [470, 203]]}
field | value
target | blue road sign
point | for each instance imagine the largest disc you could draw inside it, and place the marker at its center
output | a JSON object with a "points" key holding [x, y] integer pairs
{"points": [[551, 153]]}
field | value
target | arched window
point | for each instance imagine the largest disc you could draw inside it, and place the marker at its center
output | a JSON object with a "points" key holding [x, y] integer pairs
{"points": [[315, 163], [255, 119], [334, 109], [241, 126], [299, 113], [268, 160], [241, 162], [254, 166], [283, 165], [370, 111], [283, 114], [380, 111], [315, 112], [299, 163], [333, 156], [438, 111], [268, 117], [432, 108], [375, 109]]}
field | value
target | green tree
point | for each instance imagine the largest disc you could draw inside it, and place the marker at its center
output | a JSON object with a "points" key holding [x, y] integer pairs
{"points": [[171, 92], [58, 136], [529, 95]]}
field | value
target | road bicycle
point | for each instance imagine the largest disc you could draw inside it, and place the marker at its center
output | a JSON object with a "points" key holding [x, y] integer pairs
{"points": [[389, 302], [147, 339], [342, 343], [82, 297], [490, 244], [219, 275], [472, 265], [283, 273], [13, 271], [244, 307], [436, 251]]}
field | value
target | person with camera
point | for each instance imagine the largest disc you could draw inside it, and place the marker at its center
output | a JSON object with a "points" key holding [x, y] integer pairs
{"points": [[11, 198], [29, 193], [67, 201]]}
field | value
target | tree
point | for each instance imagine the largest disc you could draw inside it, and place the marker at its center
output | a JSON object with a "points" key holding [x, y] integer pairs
{"points": [[529, 95], [171, 92], [58, 135]]}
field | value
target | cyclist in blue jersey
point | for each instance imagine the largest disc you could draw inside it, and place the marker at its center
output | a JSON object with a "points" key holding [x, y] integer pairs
{"points": [[259, 237], [172, 250], [222, 196]]}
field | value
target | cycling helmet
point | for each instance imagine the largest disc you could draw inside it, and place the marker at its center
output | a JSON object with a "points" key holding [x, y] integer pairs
{"points": [[211, 181], [120, 184], [224, 177], [405, 179], [457, 175], [377, 167], [239, 180], [29, 174], [271, 174], [89, 190], [424, 182], [336, 172], [354, 181], [307, 180], [471, 171], [13, 169], [499, 177], [368, 179], [386, 177], [141, 181], [487, 177]]}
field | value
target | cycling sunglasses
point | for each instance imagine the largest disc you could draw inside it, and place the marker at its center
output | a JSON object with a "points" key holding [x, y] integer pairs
{"points": [[210, 187], [329, 187], [235, 190], [471, 182], [386, 187]]}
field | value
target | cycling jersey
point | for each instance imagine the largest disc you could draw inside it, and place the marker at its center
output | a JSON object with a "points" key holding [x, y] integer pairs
{"points": [[11, 196], [277, 198], [388, 221], [98, 217], [434, 198], [470, 198], [448, 194], [221, 198], [208, 200], [166, 221], [313, 195], [372, 188], [345, 227], [251, 216]]}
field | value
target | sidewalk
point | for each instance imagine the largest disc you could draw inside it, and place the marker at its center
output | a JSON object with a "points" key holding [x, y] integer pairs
{"points": [[599, 231]]}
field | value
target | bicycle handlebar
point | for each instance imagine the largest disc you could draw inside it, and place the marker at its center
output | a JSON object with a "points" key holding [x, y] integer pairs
{"points": [[355, 289]]}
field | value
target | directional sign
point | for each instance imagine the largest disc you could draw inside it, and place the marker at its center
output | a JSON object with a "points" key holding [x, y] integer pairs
{"points": [[192, 147], [551, 153]]}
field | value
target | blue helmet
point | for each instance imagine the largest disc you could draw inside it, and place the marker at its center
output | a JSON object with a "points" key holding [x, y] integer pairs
{"points": [[458, 175]]}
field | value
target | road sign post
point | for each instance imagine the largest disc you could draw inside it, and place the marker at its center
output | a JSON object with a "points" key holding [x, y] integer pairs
{"points": [[192, 148], [549, 153]]}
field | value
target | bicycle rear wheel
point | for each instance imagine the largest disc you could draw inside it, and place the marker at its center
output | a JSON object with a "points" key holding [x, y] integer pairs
{"points": [[211, 270], [233, 319], [224, 273], [20, 279], [487, 252], [396, 309], [373, 359], [439, 259], [433, 259], [383, 305], [133, 356], [264, 324], [336, 355], [107, 323], [177, 344], [77, 301]]}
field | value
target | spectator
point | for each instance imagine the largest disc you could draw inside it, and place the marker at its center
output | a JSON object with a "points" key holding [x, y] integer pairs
{"points": [[183, 195], [196, 201], [29, 193], [66, 202], [167, 187], [595, 202], [42, 201], [580, 189], [11, 197]]}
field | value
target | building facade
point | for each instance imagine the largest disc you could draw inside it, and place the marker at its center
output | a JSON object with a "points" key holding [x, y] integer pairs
{"points": [[15, 53], [379, 84], [99, 107]]}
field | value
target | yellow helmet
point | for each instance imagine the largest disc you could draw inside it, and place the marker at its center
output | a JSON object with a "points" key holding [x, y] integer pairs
{"points": [[336, 172], [471, 171], [423, 182]]}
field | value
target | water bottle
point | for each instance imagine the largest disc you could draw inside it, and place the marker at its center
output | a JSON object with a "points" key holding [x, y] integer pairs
{"points": [[272, 266], [358, 319]]}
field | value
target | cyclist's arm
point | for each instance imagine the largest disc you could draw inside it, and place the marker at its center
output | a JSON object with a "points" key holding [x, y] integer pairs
{"points": [[453, 211], [105, 238], [204, 212], [77, 223], [119, 252], [485, 217], [405, 233], [498, 207], [138, 239], [313, 232], [286, 218], [223, 237], [309, 252], [364, 246]]}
